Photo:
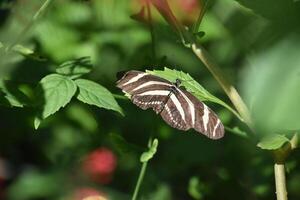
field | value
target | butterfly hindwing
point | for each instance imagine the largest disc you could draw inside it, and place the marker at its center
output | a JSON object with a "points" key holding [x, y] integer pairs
{"points": [[173, 116]]}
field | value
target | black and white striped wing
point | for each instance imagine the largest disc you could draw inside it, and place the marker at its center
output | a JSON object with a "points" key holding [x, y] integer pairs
{"points": [[179, 108], [146, 90], [199, 116], [174, 114]]}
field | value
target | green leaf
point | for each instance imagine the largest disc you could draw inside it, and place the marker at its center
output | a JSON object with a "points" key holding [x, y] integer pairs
{"points": [[271, 85], [272, 142], [191, 85], [146, 156], [29, 53], [75, 68], [236, 130], [94, 94], [54, 91], [283, 8], [10, 95]]}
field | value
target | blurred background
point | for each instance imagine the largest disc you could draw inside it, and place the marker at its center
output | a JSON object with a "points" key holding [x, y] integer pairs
{"points": [[83, 150]]}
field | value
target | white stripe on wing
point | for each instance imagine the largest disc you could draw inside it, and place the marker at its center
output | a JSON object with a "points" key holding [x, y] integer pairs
{"points": [[172, 97], [191, 106], [155, 92], [151, 83], [215, 128], [134, 79], [178, 106], [205, 116]]}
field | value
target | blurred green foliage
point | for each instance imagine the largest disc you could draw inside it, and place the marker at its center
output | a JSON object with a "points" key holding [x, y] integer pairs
{"points": [[255, 42]]}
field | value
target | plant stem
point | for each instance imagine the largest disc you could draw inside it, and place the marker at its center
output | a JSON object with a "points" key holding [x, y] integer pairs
{"points": [[140, 180], [279, 168], [30, 24], [228, 88], [117, 96], [280, 181], [151, 28], [200, 17]]}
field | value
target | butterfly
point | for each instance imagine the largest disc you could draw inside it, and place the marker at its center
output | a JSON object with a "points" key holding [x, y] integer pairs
{"points": [[178, 107]]}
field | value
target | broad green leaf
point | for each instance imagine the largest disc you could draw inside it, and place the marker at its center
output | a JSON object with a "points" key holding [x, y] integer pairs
{"points": [[146, 156], [271, 86], [75, 68], [265, 8], [10, 95], [94, 94], [54, 91], [272, 142], [191, 85]]}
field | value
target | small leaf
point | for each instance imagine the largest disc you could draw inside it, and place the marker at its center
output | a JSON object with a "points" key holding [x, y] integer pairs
{"points": [[28, 53], [54, 91], [199, 34], [75, 68], [192, 86], [236, 130], [195, 188], [146, 156], [10, 95], [272, 142], [94, 94]]}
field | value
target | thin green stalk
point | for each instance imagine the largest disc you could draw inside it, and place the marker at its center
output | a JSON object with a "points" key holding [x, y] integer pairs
{"points": [[228, 88], [40, 11], [117, 96], [140, 180], [151, 30], [200, 17], [279, 167]]}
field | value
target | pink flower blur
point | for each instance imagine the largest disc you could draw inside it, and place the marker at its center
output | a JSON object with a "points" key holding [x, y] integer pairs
{"points": [[100, 165]]}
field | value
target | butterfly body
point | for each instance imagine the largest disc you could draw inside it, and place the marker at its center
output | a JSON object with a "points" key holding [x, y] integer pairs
{"points": [[179, 108]]}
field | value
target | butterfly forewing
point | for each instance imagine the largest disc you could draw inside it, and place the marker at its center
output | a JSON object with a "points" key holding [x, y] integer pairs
{"points": [[179, 108]]}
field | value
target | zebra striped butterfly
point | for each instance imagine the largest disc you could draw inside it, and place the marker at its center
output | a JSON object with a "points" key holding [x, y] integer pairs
{"points": [[178, 107]]}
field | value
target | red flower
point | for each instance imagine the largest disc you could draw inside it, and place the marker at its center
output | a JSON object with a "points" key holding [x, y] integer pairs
{"points": [[100, 165], [186, 12]]}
